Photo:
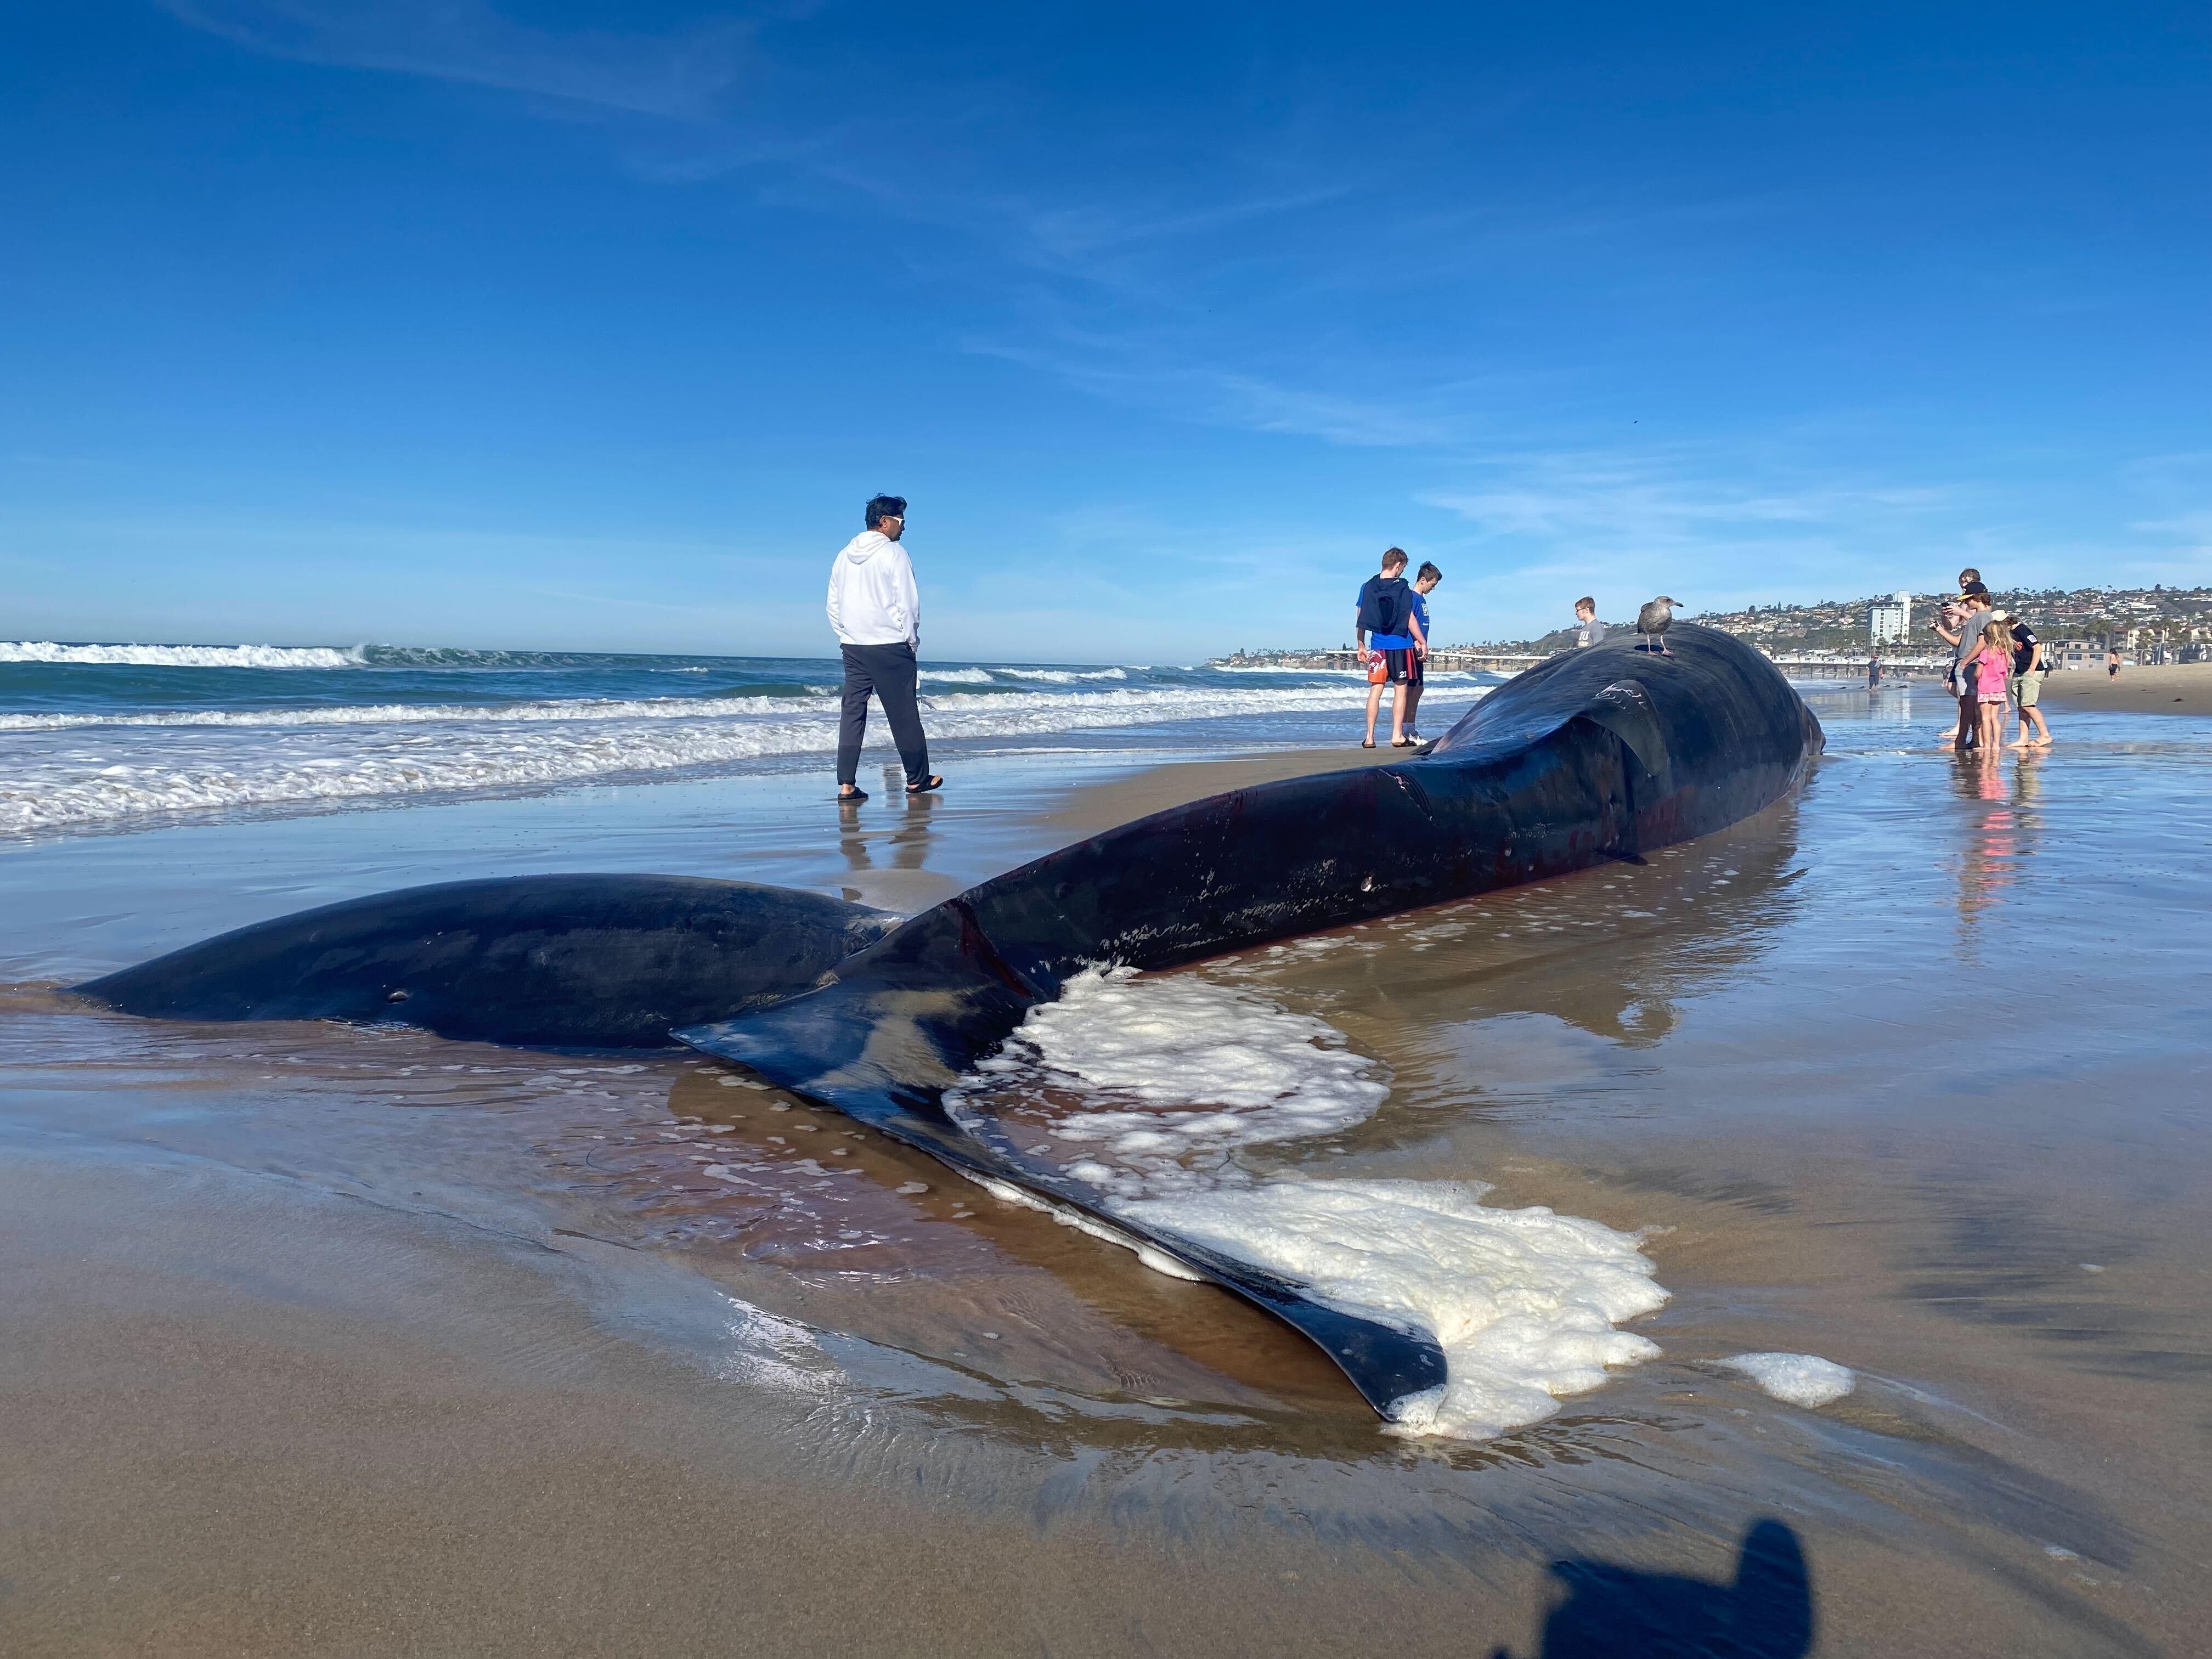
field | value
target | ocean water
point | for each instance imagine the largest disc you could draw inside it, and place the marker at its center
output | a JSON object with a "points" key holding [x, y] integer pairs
{"points": [[104, 737]]}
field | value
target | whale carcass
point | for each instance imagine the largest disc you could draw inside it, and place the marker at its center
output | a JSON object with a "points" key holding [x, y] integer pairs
{"points": [[1597, 755]]}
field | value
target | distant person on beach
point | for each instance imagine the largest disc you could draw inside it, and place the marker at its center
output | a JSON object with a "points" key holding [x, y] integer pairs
{"points": [[1988, 669], [877, 612], [1589, 630], [1387, 633], [1417, 677], [1972, 611], [2113, 664], [2027, 671]]}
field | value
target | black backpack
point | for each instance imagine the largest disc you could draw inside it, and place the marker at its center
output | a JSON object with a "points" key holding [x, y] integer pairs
{"points": [[1384, 605]]}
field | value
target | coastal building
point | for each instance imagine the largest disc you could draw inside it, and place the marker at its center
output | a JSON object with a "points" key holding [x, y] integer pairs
{"points": [[1891, 619]]}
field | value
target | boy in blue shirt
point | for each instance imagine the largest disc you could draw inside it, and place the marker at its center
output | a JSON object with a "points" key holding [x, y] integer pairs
{"points": [[1386, 629], [1417, 665]]}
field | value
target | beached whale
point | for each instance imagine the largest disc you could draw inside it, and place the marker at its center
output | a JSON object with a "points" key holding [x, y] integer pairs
{"points": [[1593, 756], [1597, 755]]}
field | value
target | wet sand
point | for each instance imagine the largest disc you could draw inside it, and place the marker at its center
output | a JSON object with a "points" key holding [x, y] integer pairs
{"points": [[2176, 688], [364, 1342], [1086, 809]]}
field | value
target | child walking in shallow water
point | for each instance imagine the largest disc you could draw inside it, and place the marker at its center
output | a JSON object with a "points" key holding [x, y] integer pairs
{"points": [[1991, 666]]}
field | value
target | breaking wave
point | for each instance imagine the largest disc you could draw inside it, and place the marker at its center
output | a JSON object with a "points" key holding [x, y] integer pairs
{"points": [[183, 656], [67, 770]]}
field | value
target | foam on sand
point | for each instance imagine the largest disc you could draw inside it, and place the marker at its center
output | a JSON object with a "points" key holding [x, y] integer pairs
{"points": [[1117, 1049], [1798, 1379], [1154, 1086], [1523, 1303]]}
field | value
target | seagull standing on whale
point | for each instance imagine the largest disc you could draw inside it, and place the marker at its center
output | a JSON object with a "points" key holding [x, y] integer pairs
{"points": [[1651, 622]]}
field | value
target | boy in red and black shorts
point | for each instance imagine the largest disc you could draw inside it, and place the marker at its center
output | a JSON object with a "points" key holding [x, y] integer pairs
{"points": [[1384, 625]]}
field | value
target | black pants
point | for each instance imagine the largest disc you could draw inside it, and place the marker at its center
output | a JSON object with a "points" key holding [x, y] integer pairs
{"points": [[888, 670]]}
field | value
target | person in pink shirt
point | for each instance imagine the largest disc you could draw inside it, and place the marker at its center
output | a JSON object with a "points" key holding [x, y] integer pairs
{"points": [[1990, 667]]}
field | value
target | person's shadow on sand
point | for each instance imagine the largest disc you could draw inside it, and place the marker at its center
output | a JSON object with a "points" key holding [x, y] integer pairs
{"points": [[1616, 1613]]}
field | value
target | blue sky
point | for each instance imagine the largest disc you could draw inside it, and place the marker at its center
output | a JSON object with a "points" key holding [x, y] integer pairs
{"points": [[477, 322]]}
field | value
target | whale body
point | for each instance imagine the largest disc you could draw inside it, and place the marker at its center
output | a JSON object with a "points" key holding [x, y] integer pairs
{"points": [[1599, 754]]}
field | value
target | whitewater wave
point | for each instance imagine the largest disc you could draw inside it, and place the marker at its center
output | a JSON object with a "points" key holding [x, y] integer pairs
{"points": [[183, 656], [64, 771], [1131, 705]]}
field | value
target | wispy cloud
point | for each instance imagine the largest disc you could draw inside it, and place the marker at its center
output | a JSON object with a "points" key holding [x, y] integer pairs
{"points": [[1139, 372], [1665, 498], [685, 77], [1225, 290], [1716, 524]]}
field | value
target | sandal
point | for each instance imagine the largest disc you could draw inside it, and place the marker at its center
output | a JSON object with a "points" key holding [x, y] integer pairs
{"points": [[1407, 743], [1369, 743], [853, 793], [932, 782]]}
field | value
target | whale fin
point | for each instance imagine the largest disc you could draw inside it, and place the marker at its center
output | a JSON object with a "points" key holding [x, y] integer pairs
{"points": [[1625, 709], [884, 1053]]}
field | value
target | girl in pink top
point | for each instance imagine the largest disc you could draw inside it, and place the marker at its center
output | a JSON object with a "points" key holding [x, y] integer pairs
{"points": [[1991, 666]]}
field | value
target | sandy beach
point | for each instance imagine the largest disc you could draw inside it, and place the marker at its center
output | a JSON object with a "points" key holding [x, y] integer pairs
{"points": [[364, 1342], [2176, 688]]}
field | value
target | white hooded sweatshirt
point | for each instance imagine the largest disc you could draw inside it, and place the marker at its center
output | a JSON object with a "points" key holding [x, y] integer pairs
{"points": [[873, 599]]}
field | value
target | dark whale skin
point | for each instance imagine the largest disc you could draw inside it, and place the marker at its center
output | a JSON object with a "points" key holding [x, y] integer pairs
{"points": [[1601, 754], [556, 961]]}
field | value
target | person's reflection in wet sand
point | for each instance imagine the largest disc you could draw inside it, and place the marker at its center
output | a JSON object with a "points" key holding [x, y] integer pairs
{"points": [[1612, 1612], [901, 824], [2002, 835], [853, 843], [911, 840]]}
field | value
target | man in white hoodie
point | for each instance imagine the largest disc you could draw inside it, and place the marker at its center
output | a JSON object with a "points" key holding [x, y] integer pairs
{"points": [[877, 612]]}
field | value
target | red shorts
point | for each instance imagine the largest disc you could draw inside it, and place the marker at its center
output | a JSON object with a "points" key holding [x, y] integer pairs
{"points": [[1394, 663]]}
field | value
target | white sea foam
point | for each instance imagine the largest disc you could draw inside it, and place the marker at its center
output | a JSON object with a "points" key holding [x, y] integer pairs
{"points": [[1799, 1379], [59, 770], [182, 656], [1523, 1303], [563, 711], [1063, 676], [1125, 1047], [1156, 1085]]}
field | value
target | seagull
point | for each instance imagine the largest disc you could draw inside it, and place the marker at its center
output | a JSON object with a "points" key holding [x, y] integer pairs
{"points": [[1652, 620]]}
